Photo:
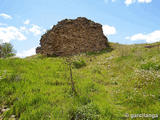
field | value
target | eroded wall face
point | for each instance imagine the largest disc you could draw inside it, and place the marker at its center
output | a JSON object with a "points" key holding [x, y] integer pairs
{"points": [[71, 37]]}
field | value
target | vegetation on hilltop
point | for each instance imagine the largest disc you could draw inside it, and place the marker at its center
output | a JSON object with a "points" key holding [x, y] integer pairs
{"points": [[109, 85], [6, 50]]}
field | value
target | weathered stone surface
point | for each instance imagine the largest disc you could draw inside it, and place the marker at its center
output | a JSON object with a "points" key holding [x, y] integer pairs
{"points": [[71, 37]]}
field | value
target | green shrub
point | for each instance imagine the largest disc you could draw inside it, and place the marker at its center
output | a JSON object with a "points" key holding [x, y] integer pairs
{"points": [[86, 112], [150, 65], [6, 50], [79, 64], [96, 70], [84, 100]]}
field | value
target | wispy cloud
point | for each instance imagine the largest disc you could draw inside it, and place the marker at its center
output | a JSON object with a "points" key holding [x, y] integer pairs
{"points": [[106, 1], [26, 22], [25, 53], [23, 28], [3, 24], [5, 16], [144, 1], [36, 30], [149, 38], [129, 2], [9, 33], [109, 30]]}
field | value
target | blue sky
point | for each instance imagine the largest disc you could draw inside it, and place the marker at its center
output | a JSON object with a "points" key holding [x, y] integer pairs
{"points": [[22, 22]]}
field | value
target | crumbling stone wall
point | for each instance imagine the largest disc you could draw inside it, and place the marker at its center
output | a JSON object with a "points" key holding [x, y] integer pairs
{"points": [[71, 37]]}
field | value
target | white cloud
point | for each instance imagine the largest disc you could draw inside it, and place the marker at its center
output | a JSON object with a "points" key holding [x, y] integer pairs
{"points": [[129, 2], [109, 30], [26, 53], [106, 1], [3, 24], [149, 38], [11, 33], [23, 28], [26, 22], [144, 1], [36, 30], [138, 36], [5, 16]]}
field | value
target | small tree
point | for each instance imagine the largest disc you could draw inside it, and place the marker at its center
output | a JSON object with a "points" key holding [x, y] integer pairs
{"points": [[6, 50]]}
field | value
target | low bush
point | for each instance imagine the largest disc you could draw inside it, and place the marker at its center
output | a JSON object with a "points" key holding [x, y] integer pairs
{"points": [[79, 64], [150, 65], [86, 112]]}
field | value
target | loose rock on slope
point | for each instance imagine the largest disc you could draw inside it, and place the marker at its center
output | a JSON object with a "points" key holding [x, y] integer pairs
{"points": [[71, 37]]}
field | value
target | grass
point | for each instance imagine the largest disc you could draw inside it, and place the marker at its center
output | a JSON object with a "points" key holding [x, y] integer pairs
{"points": [[109, 85]]}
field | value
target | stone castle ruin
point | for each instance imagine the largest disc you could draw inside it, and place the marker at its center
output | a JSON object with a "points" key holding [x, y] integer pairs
{"points": [[70, 37]]}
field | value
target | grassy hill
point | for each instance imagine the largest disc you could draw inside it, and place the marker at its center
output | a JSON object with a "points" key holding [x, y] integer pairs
{"points": [[109, 85]]}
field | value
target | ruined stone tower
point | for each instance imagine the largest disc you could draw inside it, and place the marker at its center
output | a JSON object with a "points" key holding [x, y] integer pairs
{"points": [[71, 37]]}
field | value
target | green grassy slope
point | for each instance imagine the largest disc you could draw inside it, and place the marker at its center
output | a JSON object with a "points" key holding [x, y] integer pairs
{"points": [[108, 85]]}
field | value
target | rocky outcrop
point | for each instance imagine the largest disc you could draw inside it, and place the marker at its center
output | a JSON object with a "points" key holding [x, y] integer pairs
{"points": [[71, 37]]}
